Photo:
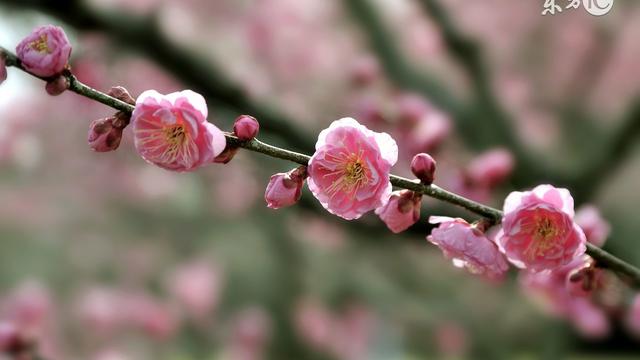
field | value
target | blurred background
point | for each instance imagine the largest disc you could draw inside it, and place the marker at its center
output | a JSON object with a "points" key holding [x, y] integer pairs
{"points": [[105, 257]]}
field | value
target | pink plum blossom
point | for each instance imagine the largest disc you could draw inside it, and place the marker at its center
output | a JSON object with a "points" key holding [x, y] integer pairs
{"points": [[401, 211], [285, 189], [595, 228], [538, 232], [349, 172], [45, 52], [468, 247], [590, 320], [171, 131]]}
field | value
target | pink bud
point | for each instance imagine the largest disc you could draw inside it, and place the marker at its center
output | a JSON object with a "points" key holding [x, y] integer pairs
{"points": [[246, 127], [57, 86], [423, 166], [3, 69], [45, 52], [491, 168], [103, 135], [402, 210], [285, 189], [121, 94]]}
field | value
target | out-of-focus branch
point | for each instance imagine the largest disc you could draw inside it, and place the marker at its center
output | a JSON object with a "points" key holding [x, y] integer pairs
{"points": [[144, 35], [613, 154], [603, 258]]}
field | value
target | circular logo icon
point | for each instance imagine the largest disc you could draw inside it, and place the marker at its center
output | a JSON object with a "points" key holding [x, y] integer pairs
{"points": [[598, 7]]}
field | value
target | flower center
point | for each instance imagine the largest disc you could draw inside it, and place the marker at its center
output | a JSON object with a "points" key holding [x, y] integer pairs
{"points": [[176, 137], [545, 233], [351, 172], [40, 45]]}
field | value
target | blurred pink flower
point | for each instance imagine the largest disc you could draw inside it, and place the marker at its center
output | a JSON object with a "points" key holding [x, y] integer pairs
{"points": [[45, 52], [588, 319], [285, 189], [468, 247], [103, 135], [349, 172], [633, 316], [29, 307], [422, 127], [100, 309], [364, 70], [251, 330], [401, 211], [172, 131], [153, 317], [353, 333], [451, 339], [538, 232], [491, 168], [595, 228], [197, 286], [315, 324], [246, 127]]}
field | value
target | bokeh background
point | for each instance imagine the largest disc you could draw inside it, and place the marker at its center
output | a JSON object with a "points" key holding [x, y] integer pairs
{"points": [[108, 258]]}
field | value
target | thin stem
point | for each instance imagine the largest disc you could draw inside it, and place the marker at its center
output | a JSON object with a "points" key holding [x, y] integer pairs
{"points": [[602, 257]]}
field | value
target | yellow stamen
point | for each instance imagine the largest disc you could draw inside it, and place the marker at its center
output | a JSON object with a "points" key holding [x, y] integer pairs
{"points": [[40, 45]]}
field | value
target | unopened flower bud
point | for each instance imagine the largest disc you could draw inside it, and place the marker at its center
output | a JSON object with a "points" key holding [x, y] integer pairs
{"points": [[401, 211], [57, 86], [121, 94], [246, 127], [285, 189], [103, 135], [423, 166]]}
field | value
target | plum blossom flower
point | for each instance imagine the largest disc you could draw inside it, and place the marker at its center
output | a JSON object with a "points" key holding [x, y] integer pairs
{"points": [[595, 228], [538, 232], [171, 131], [401, 211], [285, 189], [45, 52], [468, 247], [349, 172]]}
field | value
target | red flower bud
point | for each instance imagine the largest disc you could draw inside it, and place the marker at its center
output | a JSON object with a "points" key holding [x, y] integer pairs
{"points": [[103, 135], [57, 86], [246, 127], [423, 167]]}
